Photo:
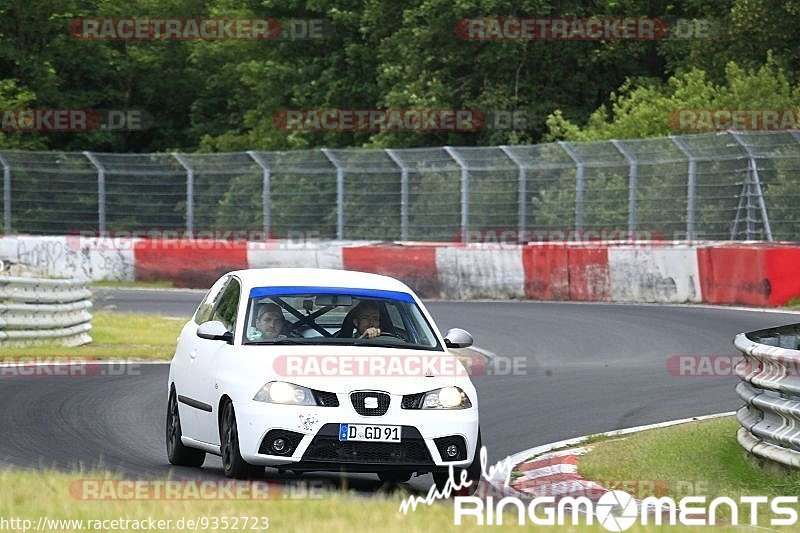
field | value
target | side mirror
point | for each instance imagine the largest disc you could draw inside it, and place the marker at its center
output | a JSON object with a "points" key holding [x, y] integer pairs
{"points": [[214, 331], [457, 338]]}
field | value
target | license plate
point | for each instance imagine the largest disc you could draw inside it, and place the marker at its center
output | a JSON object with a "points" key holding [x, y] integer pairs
{"points": [[369, 432]]}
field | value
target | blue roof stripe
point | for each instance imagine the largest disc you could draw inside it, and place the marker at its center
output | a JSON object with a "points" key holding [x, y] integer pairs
{"points": [[258, 292]]}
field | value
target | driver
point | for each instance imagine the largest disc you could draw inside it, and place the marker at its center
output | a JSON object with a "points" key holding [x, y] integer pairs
{"points": [[367, 320], [269, 323]]}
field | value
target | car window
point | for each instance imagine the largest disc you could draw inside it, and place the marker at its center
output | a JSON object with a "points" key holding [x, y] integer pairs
{"points": [[394, 316], [226, 309], [328, 315], [206, 307]]}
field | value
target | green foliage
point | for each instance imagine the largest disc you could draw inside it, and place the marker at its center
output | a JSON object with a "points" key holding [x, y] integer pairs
{"points": [[644, 109], [214, 96]]}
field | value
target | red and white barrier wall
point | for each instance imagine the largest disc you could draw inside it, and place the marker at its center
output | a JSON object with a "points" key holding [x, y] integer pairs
{"points": [[718, 273]]}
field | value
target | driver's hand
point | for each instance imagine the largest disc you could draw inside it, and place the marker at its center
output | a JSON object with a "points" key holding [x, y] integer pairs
{"points": [[370, 333]]}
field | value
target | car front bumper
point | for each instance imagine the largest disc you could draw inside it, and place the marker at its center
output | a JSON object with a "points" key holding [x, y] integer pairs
{"points": [[320, 449]]}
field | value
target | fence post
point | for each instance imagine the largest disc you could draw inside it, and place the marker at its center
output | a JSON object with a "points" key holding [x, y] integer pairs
{"points": [[755, 182], [403, 193], [101, 190], [633, 179], [189, 193], [339, 192], [579, 184], [464, 189], [522, 193], [6, 195], [691, 187], [266, 186]]}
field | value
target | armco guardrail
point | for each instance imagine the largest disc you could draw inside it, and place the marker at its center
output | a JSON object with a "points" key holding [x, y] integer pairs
{"points": [[39, 310], [770, 389]]}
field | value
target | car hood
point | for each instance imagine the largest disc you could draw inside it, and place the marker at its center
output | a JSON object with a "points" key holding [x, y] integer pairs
{"points": [[342, 369]]}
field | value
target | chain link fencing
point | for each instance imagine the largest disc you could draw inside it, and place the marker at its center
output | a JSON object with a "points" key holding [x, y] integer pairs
{"points": [[717, 186]]}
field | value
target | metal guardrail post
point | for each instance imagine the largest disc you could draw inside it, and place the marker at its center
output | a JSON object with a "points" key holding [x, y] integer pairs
{"points": [[6, 195], [464, 188], [691, 186], [579, 184], [101, 190], [403, 193], [756, 182], [189, 193], [266, 191], [522, 191], [633, 178], [339, 192]]}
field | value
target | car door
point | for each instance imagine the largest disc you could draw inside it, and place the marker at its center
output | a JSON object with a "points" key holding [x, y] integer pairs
{"points": [[209, 354], [189, 384]]}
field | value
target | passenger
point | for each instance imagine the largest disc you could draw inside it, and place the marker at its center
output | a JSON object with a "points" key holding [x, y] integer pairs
{"points": [[269, 323]]}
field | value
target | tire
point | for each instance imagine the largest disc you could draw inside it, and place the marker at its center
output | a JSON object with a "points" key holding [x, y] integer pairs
{"points": [[232, 463], [177, 453], [394, 476], [473, 471]]}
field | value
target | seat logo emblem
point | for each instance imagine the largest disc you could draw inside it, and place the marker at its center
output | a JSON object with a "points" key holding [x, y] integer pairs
{"points": [[370, 402]]}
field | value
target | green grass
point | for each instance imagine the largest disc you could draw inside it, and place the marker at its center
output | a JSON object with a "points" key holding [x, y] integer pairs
{"points": [[698, 458], [157, 284], [30, 495], [116, 335], [48, 494], [794, 303]]}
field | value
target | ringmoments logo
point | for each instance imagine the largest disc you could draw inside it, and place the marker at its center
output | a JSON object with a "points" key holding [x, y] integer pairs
{"points": [[615, 510]]}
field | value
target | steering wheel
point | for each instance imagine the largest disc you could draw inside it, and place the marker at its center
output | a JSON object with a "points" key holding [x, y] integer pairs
{"points": [[389, 334]]}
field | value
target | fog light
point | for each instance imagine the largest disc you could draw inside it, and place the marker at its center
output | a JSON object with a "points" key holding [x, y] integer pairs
{"points": [[279, 445], [451, 451]]}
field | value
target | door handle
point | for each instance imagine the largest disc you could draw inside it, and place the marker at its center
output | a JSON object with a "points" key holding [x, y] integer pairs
{"points": [[193, 355]]}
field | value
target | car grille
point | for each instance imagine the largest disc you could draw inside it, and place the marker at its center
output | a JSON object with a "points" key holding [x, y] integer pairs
{"points": [[326, 399], [412, 401], [357, 399], [326, 447]]}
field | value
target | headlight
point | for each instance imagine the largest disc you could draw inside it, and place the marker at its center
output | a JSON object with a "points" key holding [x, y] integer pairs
{"points": [[446, 398], [286, 393]]}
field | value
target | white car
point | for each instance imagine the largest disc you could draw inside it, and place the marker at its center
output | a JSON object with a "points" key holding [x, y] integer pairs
{"points": [[334, 389]]}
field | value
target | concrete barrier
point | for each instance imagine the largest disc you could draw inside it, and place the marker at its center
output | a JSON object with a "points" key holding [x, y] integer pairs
{"points": [[72, 256], [469, 273], [188, 262], [654, 275], [751, 274], [412, 264], [717, 273]]}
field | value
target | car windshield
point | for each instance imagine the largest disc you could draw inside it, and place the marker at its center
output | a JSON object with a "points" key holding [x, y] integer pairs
{"points": [[336, 316]]}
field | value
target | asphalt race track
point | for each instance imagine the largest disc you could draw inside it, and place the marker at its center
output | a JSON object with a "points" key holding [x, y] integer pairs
{"points": [[587, 368]]}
